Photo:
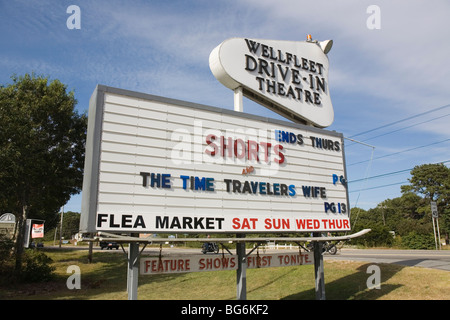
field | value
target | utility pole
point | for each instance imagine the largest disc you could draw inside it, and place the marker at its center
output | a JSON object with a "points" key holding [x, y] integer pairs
{"points": [[435, 218], [382, 213], [60, 227]]}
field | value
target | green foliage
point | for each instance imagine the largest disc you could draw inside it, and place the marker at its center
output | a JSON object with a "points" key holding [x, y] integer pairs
{"points": [[71, 222], [379, 236], [37, 267], [42, 145], [409, 216], [414, 240], [42, 142], [6, 250], [430, 180]]}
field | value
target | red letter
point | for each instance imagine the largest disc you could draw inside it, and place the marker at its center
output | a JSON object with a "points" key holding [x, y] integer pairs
{"points": [[346, 224], [277, 149], [227, 146], [266, 146], [210, 143], [237, 154], [253, 149]]}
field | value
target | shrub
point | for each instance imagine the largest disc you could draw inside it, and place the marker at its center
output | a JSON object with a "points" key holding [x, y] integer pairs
{"points": [[37, 267], [414, 240], [6, 261], [379, 236], [6, 249]]}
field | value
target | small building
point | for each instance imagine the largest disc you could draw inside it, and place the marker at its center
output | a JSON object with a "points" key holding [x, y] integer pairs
{"points": [[7, 225]]}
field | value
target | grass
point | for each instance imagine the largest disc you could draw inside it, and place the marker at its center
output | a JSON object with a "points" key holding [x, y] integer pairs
{"points": [[105, 279]]}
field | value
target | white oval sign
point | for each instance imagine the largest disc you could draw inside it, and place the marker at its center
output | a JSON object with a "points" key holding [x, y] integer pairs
{"points": [[288, 77]]}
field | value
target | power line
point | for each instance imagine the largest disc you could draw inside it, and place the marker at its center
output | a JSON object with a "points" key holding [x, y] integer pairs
{"points": [[381, 175], [393, 131], [402, 120], [391, 173], [399, 152], [382, 186], [356, 141]]}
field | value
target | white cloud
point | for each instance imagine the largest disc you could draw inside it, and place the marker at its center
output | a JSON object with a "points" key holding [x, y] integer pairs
{"points": [[404, 61]]}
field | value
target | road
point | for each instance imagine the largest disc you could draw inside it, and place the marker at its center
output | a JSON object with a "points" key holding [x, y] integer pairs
{"points": [[412, 258]]}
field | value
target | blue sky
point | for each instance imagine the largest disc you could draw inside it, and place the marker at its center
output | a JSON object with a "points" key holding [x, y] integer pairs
{"points": [[393, 79]]}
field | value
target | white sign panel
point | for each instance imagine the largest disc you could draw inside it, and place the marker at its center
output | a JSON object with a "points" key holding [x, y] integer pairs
{"points": [[434, 210], [198, 263], [289, 77], [159, 165]]}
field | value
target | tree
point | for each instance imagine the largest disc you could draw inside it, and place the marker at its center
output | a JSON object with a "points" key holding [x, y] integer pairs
{"points": [[42, 143], [433, 182], [71, 224]]}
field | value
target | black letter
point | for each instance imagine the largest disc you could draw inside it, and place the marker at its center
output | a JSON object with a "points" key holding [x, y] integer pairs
{"points": [[337, 146], [111, 222], [228, 182], [316, 98], [145, 176], [139, 222], [126, 219], [162, 223], [220, 220], [247, 64], [252, 45], [101, 218]]}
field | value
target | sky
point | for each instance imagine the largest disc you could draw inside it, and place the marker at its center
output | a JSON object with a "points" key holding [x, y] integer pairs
{"points": [[388, 78]]}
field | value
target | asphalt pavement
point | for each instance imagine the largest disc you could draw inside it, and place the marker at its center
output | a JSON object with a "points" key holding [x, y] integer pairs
{"points": [[435, 259]]}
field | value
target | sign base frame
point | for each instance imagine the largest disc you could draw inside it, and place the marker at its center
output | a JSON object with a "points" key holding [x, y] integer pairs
{"points": [[241, 239]]}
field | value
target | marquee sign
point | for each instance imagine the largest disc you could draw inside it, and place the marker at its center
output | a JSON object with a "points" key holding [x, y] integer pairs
{"points": [[288, 77], [160, 165]]}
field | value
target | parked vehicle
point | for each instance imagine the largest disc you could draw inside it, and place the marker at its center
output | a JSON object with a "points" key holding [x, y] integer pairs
{"points": [[210, 247], [326, 247], [109, 245]]}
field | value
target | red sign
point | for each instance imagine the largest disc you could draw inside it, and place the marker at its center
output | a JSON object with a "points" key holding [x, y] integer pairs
{"points": [[37, 231]]}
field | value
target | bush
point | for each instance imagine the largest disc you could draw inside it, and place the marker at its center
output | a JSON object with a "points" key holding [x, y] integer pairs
{"points": [[414, 240], [6, 249], [37, 267], [379, 236]]}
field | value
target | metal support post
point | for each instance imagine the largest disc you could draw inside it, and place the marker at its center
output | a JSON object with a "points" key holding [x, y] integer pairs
{"points": [[439, 233], [241, 273], [133, 270], [318, 269], [238, 99]]}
